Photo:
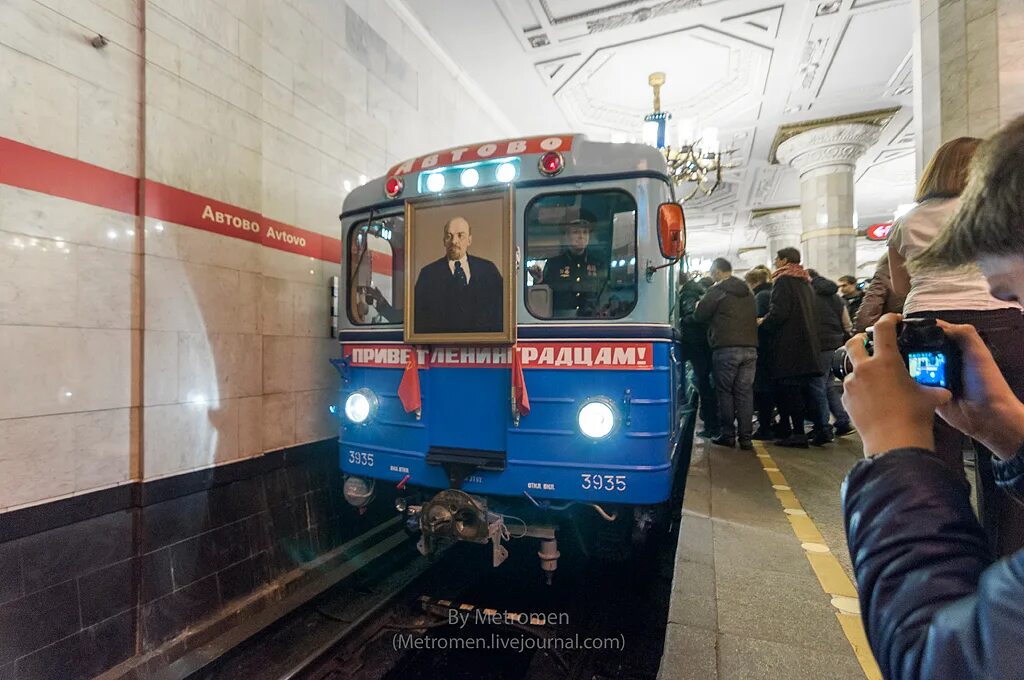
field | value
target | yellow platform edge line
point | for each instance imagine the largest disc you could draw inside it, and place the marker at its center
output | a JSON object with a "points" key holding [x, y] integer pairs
{"points": [[826, 567], [854, 629]]}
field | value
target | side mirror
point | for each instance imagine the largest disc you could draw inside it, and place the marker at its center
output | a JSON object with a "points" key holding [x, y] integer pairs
{"points": [[671, 230]]}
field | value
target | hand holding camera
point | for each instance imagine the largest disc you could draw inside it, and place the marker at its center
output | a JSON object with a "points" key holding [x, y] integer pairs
{"points": [[915, 368], [890, 409], [986, 409], [931, 358]]}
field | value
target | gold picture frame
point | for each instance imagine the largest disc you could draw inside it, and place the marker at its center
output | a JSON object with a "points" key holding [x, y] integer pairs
{"points": [[447, 303]]}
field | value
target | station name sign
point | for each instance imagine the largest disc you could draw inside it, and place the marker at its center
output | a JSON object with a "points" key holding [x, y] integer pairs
{"points": [[469, 154]]}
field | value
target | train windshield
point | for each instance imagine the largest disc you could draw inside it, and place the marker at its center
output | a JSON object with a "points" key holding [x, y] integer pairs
{"points": [[581, 255], [376, 287]]}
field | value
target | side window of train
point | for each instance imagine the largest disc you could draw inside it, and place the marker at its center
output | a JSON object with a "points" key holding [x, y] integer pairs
{"points": [[581, 255], [376, 276]]}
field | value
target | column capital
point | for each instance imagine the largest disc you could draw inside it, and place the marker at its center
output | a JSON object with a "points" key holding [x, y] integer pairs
{"points": [[779, 223], [831, 148]]}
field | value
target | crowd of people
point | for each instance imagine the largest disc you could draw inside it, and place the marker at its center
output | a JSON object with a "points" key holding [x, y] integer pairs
{"points": [[941, 585], [761, 349]]}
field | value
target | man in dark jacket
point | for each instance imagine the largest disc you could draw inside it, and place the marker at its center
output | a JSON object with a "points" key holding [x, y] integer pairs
{"points": [[793, 331], [729, 309], [833, 329], [759, 279], [695, 349], [935, 603], [851, 293]]}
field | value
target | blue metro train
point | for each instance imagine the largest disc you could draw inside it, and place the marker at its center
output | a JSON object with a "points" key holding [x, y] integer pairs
{"points": [[569, 409]]}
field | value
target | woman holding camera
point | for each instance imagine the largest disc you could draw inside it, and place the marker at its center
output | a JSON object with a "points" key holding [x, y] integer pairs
{"points": [[960, 296], [934, 601]]}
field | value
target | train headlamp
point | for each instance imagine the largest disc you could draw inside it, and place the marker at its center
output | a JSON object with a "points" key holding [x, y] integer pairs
{"points": [[435, 182], [358, 491], [596, 418], [360, 406], [470, 177], [506, 172]]}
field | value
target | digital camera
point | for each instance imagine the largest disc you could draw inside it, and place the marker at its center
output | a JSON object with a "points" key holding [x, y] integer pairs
{"points": [[931, 358]]}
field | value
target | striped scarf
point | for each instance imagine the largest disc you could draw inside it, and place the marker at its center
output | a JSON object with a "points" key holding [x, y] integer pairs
{"points": [[791, 269]]}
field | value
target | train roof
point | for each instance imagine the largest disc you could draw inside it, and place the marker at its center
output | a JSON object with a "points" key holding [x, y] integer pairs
{"points": [[580, 157]]}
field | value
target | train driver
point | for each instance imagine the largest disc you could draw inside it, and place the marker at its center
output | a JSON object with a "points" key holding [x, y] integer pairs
{"points": [[578, 275]]}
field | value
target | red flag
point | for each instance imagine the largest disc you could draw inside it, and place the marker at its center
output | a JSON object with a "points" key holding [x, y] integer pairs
{"points": [[409, 388], [522, 399]]}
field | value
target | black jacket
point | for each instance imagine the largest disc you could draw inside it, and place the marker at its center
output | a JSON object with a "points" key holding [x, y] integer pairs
{"points": [[829, 309], [853, 303], [576, 281], [933, 601], [442, 306], [693, 333], [729, 309], [792, 328], [762, 299]]}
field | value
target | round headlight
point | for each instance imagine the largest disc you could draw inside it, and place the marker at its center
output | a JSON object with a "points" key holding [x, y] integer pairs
{"points": [[597, 418], [469, 177], [358, 491], [360, 405], [435, 182], [506, 172]]}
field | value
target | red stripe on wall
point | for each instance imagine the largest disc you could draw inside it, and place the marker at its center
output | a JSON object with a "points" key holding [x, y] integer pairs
{"points": [[381, 263], [28, 167]]}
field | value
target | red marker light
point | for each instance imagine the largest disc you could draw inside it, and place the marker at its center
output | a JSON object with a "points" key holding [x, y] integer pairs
{"points": [[551, 163], [393, 186]]}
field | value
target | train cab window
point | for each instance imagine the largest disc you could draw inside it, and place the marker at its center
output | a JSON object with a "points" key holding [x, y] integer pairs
{"points": [[581, 255], [376, 276]]}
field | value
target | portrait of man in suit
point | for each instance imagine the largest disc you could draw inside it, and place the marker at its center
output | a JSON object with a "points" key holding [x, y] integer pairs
{"points": [[459, 293]]}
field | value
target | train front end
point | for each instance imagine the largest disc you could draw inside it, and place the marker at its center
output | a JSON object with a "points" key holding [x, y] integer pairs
{"points": [[576, 411]]}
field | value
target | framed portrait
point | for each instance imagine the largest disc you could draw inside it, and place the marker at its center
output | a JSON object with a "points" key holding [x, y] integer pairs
{"points": [[460, 260]]}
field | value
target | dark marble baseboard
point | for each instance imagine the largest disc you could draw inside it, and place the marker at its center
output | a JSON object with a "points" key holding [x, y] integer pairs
{"points": [[92, 581]]}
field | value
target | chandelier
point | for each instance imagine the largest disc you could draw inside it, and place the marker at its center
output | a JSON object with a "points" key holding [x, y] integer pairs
{"points": [[697, 161]]}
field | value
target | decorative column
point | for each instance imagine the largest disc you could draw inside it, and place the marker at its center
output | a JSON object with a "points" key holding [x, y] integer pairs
{"points": [[826, 157], [781, 226], [968, 69]]}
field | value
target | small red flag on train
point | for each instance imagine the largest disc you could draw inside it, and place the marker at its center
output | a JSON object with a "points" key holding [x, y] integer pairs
{"points": [[522, 399], [409, 388]]}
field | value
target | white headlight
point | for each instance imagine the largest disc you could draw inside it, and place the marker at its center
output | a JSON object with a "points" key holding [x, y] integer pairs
{"points": [[360, 406], [470, 177], [596, 419], [435, 182], [506, 172], [358, 491]]}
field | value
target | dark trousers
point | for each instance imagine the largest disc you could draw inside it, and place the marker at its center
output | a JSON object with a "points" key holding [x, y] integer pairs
{"points": [[764, 406], [827, 393], [1001, 515], [795, 405], [700, 358], [734, 385]]}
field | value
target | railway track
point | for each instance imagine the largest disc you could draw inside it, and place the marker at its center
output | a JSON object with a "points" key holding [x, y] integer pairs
{"points": [[404, 616]]}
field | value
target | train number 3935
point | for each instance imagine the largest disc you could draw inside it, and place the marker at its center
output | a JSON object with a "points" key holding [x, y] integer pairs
{"points": [[360, 458], [603, 482]]}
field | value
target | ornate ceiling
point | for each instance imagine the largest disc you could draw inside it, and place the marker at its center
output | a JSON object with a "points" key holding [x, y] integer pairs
{"points": [[746, 67]]}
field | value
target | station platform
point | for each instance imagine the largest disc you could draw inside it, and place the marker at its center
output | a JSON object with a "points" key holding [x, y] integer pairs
{"points": [[763, 584]]}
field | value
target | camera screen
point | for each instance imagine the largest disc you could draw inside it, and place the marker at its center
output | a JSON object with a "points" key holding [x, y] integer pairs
{"points": [[928, 368]]}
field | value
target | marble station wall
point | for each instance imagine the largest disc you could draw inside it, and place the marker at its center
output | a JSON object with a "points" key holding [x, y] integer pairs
{"points": [[137, 349]]}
